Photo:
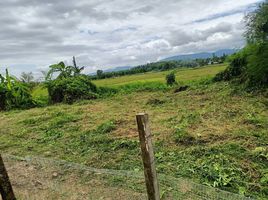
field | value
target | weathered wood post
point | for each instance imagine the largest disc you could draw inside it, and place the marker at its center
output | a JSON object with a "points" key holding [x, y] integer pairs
{"points": [[5, 185], [148, 156]]}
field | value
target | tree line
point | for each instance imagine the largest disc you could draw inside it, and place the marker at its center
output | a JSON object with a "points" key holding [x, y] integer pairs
{"points": [[160, 66]]}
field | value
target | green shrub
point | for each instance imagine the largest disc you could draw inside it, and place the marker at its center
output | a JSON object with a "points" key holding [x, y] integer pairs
{"points": [[257, 67], [220, 171], [235, 69], [250, 65], [71, 89], [171, 79]]}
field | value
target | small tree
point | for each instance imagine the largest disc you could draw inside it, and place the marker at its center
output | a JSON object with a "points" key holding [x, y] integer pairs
{"points": [[26, 77], [171, 79], [99, 73]]}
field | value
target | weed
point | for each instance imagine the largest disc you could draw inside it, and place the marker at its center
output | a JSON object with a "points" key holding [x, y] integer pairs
{"points": [[106, 127], [183, 137]]}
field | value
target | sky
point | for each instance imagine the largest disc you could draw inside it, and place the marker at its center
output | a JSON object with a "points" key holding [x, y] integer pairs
{"points": [[104, 34]]}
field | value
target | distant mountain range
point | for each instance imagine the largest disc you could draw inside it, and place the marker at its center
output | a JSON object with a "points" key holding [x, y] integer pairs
{"points": [[115, 69], [118, 69], [185, 57], [202, 55]]}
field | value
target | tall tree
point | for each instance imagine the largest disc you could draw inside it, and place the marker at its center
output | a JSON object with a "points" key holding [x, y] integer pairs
{"points": [[257, 24]]}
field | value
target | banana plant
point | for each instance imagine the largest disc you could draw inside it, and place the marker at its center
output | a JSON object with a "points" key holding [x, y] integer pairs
{"points": [[60, 68], [13, 93], [63, 71]]}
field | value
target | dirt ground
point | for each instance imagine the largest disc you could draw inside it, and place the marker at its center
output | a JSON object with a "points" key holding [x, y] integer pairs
{"points": [[32, 181]]}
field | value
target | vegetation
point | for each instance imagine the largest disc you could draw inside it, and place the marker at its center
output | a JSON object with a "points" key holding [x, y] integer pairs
{"points": [[250, 65], [171, 79], [160, 66], [151, 81], [69, 85], [27, 77], [184, 74], [14, 94], [71, 89], [214, 133]]}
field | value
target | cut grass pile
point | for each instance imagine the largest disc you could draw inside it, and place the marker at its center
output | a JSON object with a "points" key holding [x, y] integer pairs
{"points": [[212, 133]]}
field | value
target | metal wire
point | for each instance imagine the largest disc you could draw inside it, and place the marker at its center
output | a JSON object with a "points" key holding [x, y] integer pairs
{"points": [[45, 178]]}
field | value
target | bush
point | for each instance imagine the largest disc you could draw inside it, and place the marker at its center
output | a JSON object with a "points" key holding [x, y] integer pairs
{"points": [[171, 79], [235, 69], [257, 68], [71, 89], [249, 66]]}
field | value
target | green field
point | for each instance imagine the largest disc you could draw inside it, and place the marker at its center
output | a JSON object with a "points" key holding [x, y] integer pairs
{"points": [[213, 133], [181, 75]]}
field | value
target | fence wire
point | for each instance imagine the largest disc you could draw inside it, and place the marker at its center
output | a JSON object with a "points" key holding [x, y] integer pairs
{"points": [[42, 178]]}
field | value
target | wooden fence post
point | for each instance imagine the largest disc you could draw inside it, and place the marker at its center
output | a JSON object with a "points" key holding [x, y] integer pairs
{"points": [[5, 185], [148, 156]]}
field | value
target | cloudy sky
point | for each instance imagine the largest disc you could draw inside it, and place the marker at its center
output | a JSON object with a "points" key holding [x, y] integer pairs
{"points": [[106, 33]]}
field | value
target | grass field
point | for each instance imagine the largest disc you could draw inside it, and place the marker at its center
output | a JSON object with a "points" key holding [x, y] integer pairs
{"points": [[137, 80], [181, 75], [212, 133]]}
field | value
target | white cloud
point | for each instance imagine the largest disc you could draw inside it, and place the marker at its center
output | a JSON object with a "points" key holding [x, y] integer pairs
{"points": [[103, 34]]}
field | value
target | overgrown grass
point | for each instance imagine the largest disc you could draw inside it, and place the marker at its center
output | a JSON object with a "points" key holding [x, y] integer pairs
{"points": [[212, 132], [209, 133], [151, 81]]}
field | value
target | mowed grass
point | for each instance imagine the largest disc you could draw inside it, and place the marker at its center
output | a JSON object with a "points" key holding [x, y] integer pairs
{"points": [[213, 133], [182, 75]]}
